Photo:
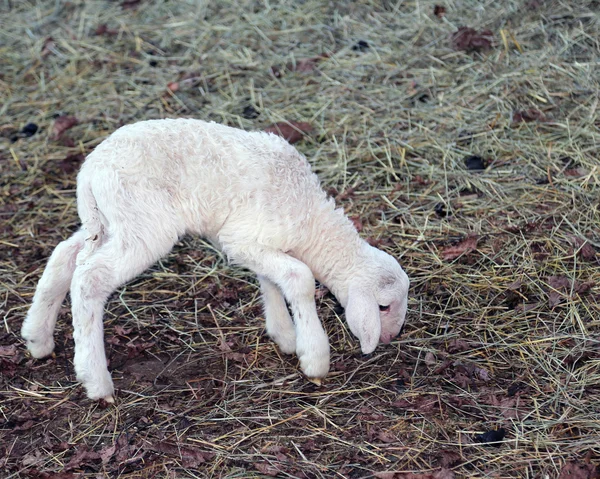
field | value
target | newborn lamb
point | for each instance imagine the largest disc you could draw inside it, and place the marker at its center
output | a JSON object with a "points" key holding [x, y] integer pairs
{"points": [[254, 195]]}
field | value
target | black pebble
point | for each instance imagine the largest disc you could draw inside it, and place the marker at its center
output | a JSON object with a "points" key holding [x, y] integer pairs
{"points": [[153, 63], [250, 112], [29, 130], [491, 438], [400, 385], [361, 46], [474, 162], [440, 210]]}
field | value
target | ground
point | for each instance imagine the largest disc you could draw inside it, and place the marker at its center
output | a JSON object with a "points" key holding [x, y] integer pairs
{"points": [[471, 155]]}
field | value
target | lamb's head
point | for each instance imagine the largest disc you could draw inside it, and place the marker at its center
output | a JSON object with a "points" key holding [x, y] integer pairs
{"points": [[377, 300]]}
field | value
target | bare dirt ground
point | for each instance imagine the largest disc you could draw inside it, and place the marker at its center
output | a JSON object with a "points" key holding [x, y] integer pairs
{"points": [[470, 153]]}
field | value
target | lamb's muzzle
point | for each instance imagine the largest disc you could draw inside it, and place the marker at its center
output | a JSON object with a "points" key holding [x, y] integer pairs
{"points": [[253, 194]]}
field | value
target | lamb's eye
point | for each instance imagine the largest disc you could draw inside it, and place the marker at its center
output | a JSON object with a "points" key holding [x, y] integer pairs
{"points": [[384, 308]]}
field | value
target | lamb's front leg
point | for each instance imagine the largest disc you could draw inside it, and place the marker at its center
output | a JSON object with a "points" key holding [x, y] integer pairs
{"points": [[297, 284], [279, 324]]}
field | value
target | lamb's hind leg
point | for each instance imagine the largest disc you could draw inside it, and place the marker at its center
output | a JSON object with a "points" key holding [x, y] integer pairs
{"points": [[38, 327], [98, 275], [280, 326]]}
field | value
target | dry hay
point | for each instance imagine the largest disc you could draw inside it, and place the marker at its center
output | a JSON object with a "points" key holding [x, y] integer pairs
{"points": [[504, 307]]}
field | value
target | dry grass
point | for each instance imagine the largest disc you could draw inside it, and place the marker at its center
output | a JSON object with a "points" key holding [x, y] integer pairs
{"points": [[506, 335]]}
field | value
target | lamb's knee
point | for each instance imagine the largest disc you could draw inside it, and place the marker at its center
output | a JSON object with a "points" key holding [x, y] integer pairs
{"points": [[300, 283], [91, 282]]}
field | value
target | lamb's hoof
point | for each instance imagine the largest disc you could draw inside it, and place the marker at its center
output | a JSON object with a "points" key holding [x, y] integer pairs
{"points": [[313, 354], [106, 402], [40, 349], [100, 389], [317, 381]]}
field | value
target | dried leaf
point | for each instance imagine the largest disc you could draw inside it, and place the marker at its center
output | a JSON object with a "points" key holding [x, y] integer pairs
{"points": [[48, 46], [292, 131], [449, 458], [458, 345], [430, 359], [444, 474], [121, 331], [307, 64], [107, 453], [62, 124], [529, 115], [82, 456], [8, 351], [573, 470], [466, 246], [266, 469], [71, 163], [468, 39], [386, 437], [584, 249], [104, 30]]}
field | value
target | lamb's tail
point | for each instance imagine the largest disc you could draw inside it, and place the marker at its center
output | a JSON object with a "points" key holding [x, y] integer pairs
{"points": [[93, 222]]}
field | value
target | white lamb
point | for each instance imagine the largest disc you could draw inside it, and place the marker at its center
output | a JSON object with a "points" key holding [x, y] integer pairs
{"points": [[252, 194]]}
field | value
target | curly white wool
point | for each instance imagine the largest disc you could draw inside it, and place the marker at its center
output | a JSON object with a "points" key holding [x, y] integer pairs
{"points": [[253, 194]]}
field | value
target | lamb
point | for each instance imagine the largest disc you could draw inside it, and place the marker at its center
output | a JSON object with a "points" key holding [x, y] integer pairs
{"points": [[250, 193]]}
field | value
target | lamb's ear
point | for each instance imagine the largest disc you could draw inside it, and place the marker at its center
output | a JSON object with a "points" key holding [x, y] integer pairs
{"points": [[362, 315]]}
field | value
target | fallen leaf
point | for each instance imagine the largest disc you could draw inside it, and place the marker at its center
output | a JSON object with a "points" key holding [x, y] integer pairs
{"points": [[385, 475], [584, 249], [491, 438], [107, 453], [386, 437], [25, 426], [32, 458], [104, 30], [190, 457], [307, 64], [48, 46], [266, 469], [430, 359], [82, 456], [8, 351], [561, 287], [71, 163], [572, 470], [62, 124], [527, 116], [482, 374], [468, 39], [121, 331], [458, 345], [444, 474], [466, 246], [357, 223], [449, 458], [292, 131]]}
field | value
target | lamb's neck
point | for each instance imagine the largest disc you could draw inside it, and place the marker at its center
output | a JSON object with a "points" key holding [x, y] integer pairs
{"points": [[334, 251]]}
